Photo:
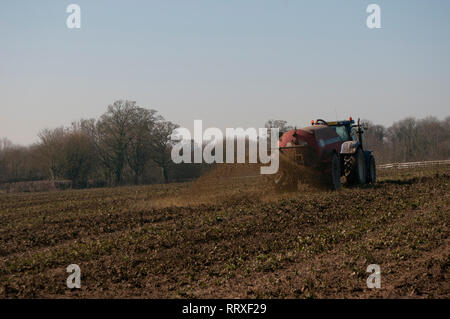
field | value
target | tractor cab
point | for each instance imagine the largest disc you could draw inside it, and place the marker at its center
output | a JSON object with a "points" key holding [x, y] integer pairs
{"points": [[344, 129]]}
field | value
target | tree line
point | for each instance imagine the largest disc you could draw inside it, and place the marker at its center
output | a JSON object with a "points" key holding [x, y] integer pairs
{"points": [[409, 140], [128, 144]]}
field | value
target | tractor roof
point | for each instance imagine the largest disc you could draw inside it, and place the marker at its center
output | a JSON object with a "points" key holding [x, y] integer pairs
{"points": [[331, 123], [340, 123]]}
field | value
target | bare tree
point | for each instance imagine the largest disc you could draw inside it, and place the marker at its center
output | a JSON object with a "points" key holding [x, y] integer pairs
{"points": [[281, 124], [161, 145], [140, 146], [114, 134], [50, 149], [375, 139], [80, 160]]}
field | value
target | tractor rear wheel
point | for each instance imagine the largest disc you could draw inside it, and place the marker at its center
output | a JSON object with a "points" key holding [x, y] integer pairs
{"points": [[372, 177]]}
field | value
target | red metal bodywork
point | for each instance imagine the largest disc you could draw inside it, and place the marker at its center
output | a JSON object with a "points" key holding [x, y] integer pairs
{"points": [[317, 143]]}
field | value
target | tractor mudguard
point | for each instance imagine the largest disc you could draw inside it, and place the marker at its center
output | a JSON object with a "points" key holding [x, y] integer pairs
{"points": [[349, 147], [367, 156]]}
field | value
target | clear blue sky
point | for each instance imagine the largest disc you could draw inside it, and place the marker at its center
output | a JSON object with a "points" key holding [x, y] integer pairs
{"points": [[230, 63]]}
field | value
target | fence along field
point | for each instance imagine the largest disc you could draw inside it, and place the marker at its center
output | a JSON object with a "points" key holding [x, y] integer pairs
{"points": [[414, 164], [231, 238]]}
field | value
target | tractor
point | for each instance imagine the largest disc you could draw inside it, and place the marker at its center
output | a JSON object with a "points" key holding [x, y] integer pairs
{"points": [[329, 152]]}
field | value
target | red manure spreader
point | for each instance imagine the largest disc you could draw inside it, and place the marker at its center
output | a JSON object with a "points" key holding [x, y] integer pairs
{"points": [[330, 152]]}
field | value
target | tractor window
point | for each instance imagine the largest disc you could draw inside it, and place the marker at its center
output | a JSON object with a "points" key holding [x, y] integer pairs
{"points": [[342, 132]]}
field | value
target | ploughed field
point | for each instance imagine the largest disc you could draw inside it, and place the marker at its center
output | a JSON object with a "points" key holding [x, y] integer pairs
{"points": [[231, 238]]}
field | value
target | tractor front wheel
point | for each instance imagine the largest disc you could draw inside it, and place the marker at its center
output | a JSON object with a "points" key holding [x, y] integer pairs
{"points": [[357, 174]]}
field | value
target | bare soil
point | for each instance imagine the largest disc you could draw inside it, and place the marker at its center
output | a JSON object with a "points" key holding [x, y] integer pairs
{"points": [[228, 236]]}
